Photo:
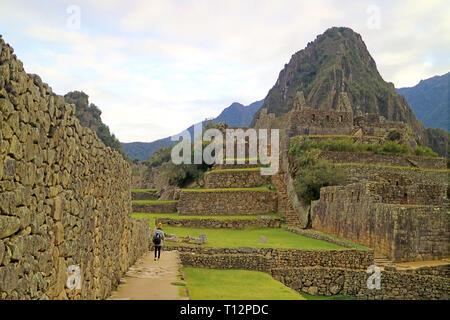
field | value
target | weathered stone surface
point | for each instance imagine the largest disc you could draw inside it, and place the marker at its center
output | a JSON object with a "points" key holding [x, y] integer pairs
{"points": [[61, 202], [8, 226]]}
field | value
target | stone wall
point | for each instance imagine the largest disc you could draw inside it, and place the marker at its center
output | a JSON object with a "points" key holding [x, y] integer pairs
{"points": [[401, 232], [144, 195], [64, 196], [283, 258], [216, 224], [235, 179], [394, 285], [227, 202], [384, 159], [402, 176], [167, 207]]}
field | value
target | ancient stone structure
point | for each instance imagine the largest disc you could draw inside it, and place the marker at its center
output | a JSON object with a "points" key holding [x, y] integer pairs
{"points": [[274, 258], [223, 201], [64, 196], [235, 179], [393, 285], [158, 207], [391, 219], [216, 223]]}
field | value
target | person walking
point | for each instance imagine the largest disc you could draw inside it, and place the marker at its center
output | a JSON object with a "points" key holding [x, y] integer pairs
{"points": [[158, 237]]}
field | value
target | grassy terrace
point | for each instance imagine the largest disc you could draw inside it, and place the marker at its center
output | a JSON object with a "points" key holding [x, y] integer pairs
{"points": [[153, 201], [212, 284], [143, 190], [263, 189], [276, 238], [355, 245], [390, 167]]}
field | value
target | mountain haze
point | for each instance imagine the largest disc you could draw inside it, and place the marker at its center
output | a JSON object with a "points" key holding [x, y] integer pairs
{"points": [[236, 115], [430, 101]]}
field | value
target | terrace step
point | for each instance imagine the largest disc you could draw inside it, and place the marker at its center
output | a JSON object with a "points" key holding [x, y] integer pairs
{"points": [[285, 206], [235, 178], [155, 206], [144, 194], [228, 201]]}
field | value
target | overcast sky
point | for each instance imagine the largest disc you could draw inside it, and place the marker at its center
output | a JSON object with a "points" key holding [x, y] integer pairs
{"points": [[154, 67]]}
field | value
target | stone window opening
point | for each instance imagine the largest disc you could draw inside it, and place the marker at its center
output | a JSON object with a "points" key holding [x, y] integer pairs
{"points": [[328, 118], [396, 183], [340, 119], [313, 117]]}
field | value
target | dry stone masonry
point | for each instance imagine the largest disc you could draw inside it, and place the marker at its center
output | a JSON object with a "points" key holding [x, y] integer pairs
{"points": [[64, 196]]}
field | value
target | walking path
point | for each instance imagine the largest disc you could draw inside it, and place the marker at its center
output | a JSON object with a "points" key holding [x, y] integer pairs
{"points": [[151, 280]]}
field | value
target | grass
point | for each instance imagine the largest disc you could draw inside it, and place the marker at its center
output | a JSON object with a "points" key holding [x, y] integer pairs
{"points": [[249, 237], [262, 189], [355, 245], [308, 296], [234, 170], [153, 201], [143, 190], [390, 167], [213, 284]]}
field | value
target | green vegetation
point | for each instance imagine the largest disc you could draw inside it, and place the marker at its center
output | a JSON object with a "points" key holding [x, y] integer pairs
{"points": [[262, 188], [249, 237], [354, 244], [394, 135], [153, 201], [213, 284], [159, 157], [312, 173], [89, 116], [439, 141], [424, 152], [347, 145]]}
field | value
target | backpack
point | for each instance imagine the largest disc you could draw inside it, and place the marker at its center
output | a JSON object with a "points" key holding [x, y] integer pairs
{"points": [[157, 238]]}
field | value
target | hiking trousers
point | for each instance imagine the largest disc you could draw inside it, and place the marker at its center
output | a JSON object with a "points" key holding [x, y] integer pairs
{"points": [[157, 251]]}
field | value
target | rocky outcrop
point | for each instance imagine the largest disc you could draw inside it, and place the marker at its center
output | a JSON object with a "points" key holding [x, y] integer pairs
{"points": [[64, 197]]}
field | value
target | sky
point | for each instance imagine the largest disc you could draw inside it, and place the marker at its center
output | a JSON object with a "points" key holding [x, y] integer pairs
{"points": [[154, 67]]}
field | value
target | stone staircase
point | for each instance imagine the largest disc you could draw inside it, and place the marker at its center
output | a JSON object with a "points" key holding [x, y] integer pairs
{"points": [[285, 206]]}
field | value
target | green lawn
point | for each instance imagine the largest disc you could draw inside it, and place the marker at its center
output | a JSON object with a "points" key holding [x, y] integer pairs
{"points": [[276, 238], [212, 284], [143, 190], [153, 201], [356, 245]]}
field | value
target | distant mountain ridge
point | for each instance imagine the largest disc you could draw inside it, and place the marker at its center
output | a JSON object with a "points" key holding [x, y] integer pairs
{"points": [[430, 101], [236, 115]]}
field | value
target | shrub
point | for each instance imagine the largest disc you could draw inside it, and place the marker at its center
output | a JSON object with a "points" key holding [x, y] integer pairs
{"points": [[394, 135], [309, 180], [424, 152]]}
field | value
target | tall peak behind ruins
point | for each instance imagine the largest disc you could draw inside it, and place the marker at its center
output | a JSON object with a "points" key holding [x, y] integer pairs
{"points": [[338, 62]]}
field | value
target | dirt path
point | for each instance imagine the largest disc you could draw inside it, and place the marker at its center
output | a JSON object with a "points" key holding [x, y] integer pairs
{"points": [[151, 280]]}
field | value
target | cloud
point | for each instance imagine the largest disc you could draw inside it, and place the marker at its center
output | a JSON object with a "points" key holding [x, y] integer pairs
{"points": [[156, 67]]}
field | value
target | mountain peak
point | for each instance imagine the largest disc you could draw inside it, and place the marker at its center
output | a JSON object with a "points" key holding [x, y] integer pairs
{"points": [[337, 61]]}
